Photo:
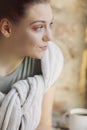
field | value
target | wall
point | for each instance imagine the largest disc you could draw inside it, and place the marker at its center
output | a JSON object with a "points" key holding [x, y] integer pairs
{"points": [[69, 33]]}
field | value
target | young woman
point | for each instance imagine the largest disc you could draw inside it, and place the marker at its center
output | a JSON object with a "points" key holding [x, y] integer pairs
{"points": [[29, 65]]}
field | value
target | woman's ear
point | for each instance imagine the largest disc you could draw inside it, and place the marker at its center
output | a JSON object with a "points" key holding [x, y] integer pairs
{"points": [[5, 27]]}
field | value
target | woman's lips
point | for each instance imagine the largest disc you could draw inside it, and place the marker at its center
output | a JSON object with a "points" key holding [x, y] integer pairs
{"points": [[44, 48]]}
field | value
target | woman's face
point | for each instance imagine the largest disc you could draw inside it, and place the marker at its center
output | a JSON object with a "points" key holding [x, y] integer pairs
{"points": [[31, 36]]}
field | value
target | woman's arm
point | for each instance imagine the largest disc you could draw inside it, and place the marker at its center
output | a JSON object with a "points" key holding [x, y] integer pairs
{"points": [[46, 118]]}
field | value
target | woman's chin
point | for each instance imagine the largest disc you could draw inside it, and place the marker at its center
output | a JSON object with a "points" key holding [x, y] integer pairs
{"points": [[37, 56], [40, 56]]}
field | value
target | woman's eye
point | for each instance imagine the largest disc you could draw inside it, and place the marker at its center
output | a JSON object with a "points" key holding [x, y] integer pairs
{"points": [[51, 24], [39, 28]]}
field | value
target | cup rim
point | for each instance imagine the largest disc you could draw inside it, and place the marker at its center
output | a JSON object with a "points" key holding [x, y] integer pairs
{"points": [[78, 111]]}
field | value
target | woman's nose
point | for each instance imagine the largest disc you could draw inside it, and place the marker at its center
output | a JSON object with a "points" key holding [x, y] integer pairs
{"points": [[47, 36]]}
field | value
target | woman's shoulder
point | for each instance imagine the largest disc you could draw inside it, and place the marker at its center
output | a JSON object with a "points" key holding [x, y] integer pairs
{"points": [[55, 52], [52, 64], [54, 49]]}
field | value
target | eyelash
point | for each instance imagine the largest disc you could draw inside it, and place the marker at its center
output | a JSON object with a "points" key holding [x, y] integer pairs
{"points": [[51, 24]]}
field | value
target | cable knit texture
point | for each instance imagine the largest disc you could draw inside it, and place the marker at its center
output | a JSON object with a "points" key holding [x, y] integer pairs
{"points": [[20, 109]]}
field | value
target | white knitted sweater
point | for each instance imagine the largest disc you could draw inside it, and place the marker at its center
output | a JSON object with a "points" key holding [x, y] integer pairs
{"points": [[20, 109]]}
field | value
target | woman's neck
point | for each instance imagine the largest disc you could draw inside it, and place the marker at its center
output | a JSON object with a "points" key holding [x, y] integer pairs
{"points": [[7, 66], [8, 61]]}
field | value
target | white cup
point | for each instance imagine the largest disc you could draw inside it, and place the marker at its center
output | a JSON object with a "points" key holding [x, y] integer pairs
{"points": [[78, 119]]}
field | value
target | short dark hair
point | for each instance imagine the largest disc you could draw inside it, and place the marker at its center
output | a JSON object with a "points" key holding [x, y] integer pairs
{"points": [[14, 9]]}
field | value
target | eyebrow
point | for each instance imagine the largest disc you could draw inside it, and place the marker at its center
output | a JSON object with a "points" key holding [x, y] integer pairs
{"points": [[42, 21], [37, 22]]}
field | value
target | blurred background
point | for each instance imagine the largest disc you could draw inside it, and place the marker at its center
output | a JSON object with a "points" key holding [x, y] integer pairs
{"points": [[70, 34]]}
